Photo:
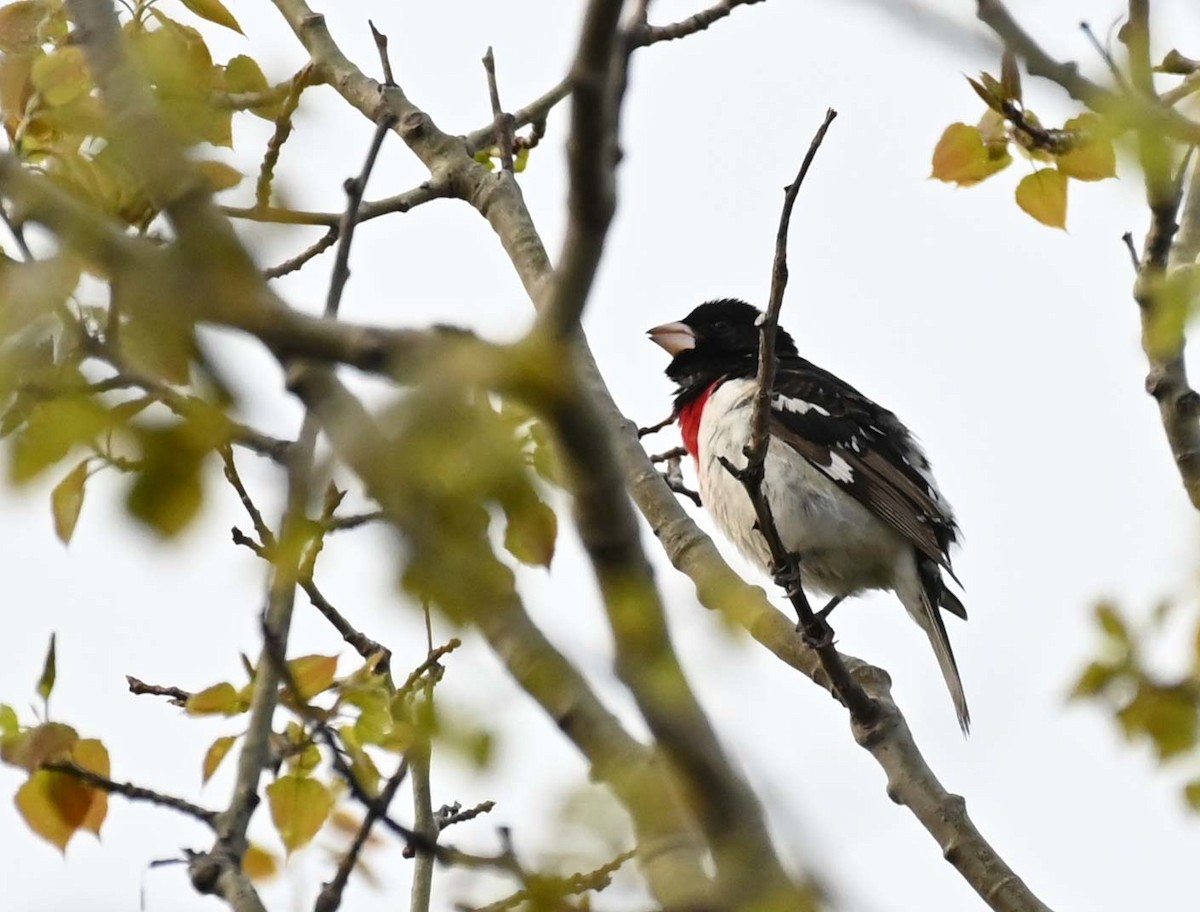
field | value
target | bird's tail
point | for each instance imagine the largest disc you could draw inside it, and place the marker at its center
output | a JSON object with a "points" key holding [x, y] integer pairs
{"points": [[921, 594]]}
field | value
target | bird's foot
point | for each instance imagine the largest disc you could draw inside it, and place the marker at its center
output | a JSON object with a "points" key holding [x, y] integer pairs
{"points": [[817, 634], [788, 578]]}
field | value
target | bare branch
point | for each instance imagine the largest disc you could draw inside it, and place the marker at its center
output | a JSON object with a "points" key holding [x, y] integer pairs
{"points": [[175, 695], [330, 897], [327, 240], [132, 792], [503, 122], [698, 22]]}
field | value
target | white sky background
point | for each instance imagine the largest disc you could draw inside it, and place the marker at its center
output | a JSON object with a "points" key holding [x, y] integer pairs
{"points": [[1011, 349]]}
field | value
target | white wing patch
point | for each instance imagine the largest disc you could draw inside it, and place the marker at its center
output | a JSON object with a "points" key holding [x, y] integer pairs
{"points": [[798, 406], [838, 469]]}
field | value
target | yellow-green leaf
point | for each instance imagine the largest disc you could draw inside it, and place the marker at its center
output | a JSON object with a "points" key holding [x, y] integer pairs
{"points": [[1111, 622], [531, 531], [51, 429], [213, 11], [521, 160], [54, 805], [19, 23], [221, 698], [299, 806], [259, 864], [34, 746], [31, 290], [961, 156], [9, 724], [1093, 158], [1191, 793], [61, 76], [1093, 679], [45, 684], [219, 175], [1043, 194], [66, 500], [92, 755], [312, 674], [215, 754]]}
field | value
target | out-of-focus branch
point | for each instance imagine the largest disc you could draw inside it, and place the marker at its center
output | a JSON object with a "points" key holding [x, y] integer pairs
{"points": [[591, 167], [668, 850]]}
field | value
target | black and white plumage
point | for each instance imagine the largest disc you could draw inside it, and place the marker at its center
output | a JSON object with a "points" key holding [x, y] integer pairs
{"points": [[850, 489]]}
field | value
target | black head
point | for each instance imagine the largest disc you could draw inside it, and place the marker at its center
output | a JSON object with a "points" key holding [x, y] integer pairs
{"points": [[718, 338]]}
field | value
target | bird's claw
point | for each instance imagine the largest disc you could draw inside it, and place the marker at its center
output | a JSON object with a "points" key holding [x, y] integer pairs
{"points": [[817, 634]]}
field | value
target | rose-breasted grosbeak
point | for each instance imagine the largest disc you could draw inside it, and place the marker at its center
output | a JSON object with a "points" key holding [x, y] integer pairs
{"points": [[850, 490]]}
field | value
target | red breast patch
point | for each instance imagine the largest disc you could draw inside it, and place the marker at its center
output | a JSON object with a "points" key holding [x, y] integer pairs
{"points": [[689, 420]]}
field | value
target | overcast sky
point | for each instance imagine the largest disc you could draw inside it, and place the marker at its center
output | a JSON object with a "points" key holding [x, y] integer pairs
{"points": [[1009, 348]]}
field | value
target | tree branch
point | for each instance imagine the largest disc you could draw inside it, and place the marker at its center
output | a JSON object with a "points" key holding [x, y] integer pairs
{"points": [[132, 792], [698, 22]]}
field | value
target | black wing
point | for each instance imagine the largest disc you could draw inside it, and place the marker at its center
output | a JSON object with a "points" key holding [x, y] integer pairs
{"points": [[865, 450]]}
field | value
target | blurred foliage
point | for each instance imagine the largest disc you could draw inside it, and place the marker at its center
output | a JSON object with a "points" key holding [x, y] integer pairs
{"points": [[1082, 149], [1150, 707]]}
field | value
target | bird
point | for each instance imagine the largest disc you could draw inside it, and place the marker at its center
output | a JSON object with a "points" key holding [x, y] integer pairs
{"points": [[850, 489]]}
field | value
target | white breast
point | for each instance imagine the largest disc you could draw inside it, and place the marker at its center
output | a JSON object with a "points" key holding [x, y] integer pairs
{"points": [[843, 548]]}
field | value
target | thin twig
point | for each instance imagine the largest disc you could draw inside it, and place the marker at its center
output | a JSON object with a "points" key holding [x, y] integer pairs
{"points": [[652, 34], [344, 523], [327, 240], [330, 897], [356, 639], [559, 886], [354, 194], [265, 536], [131, 791], [283, 129], [786, 567], [381, 45], [432, 660], [503, 122], [1127, 238], [175, 695]]}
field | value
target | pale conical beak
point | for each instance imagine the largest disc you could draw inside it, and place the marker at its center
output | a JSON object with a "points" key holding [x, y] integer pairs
{"points": [[673, 337]]}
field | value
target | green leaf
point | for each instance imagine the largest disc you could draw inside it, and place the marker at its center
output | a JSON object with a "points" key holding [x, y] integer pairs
{"points": [[1095, 678], [168, 491], [1043, 195], [214, 755], [51, 429], [1191, 794], [531, 531], [45, 684], [61, 76], [299, 806], [66, 500], [1165, 715], [9, 724], [521, 160], [1111, 622], [213, 11], [221, 698], [961, 157]]}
